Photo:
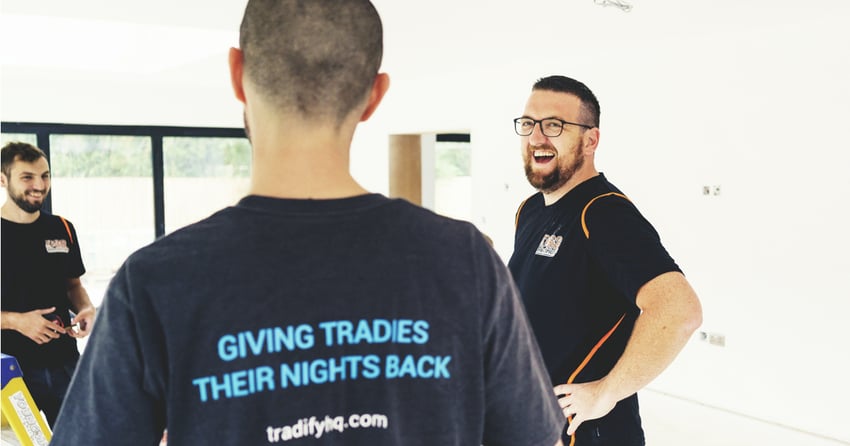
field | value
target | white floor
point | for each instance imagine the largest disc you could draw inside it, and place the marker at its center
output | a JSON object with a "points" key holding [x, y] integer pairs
{"points": [[671, 421]]}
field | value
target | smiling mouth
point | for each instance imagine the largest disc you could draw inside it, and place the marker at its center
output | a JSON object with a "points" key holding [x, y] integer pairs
{"points": [[543, 156]]}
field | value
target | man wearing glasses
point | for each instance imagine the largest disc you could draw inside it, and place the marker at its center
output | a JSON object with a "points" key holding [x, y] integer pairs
{"points": [[608, 305]]}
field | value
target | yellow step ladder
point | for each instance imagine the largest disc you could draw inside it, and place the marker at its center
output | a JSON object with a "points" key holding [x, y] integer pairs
{"points": [[18, 409]]}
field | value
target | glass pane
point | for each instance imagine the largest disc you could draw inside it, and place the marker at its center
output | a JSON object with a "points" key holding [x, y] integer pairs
{"points": [[453, 180], [104, 185], [22, 137], [203, 175], [16, 137]]}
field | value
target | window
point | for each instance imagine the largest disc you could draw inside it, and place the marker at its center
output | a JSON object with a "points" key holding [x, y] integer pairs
{"points": [[22, 137], [452, 178], [103, 184], [122, 186], [203, 175]]}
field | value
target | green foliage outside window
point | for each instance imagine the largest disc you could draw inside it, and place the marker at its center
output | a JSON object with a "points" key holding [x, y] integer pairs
{"points": [[206, 157], [18, 137], [89, 156], [453, 160]]}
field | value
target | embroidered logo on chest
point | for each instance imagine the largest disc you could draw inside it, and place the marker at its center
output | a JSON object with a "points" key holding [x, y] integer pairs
{"points": [[54, 246], [549, 245]]}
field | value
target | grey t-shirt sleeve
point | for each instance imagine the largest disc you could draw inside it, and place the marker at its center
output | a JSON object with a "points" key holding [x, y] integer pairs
{"points": [[521, 407], [111, 400]]}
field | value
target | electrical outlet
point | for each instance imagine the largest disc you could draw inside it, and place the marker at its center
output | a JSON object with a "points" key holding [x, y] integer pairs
{"points": [[713, 338], [717, 339], [711, 190]]}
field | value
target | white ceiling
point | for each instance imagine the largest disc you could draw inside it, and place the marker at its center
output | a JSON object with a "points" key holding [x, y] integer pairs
{"points": [[108, 36], [115, 37], [98, 50], [221, 14], [157, 36]]}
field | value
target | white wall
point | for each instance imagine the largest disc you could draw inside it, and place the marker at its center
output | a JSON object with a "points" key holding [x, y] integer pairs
{"points": [[749, 95]]}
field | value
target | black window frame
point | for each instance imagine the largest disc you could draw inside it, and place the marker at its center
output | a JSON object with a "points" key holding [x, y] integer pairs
{"points": [[155, 133]]}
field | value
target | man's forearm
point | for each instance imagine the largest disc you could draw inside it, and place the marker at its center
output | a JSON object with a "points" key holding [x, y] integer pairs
{"points": [[9, 320], [78, 296], [671, 312]]}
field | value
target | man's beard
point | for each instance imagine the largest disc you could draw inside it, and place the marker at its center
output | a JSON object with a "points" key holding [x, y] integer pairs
{"points": [[21, 201], [553, 181]]}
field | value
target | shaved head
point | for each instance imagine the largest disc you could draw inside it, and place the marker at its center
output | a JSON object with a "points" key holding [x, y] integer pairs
{"points": [[317, 58]]}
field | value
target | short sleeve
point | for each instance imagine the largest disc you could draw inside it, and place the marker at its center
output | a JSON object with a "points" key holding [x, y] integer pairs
{"points": [[625, 244], [76, 268]]}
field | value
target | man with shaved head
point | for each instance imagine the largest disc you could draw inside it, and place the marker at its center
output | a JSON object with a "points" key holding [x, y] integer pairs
{"points": [[312, 311]]}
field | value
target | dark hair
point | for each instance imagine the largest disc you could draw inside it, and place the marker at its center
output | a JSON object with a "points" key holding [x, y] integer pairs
{"points": [[563, 84], [15, 151], [315, 57]]}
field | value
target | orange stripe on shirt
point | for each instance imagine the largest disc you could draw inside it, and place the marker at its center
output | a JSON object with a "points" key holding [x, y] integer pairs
{"points": [[519, 209], [68, 229], [584, 211], [594, 349], [586, 360]]}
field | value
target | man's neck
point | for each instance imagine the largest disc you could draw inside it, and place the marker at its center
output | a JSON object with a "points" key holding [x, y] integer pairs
{"points": [[10, 211], [315, 187], [308, 171], [312, 165], [550, 198], [319, 175]]}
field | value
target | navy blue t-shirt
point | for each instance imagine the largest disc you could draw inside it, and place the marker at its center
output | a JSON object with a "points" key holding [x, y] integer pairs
{"points": [[363, 320], [579, 264]]}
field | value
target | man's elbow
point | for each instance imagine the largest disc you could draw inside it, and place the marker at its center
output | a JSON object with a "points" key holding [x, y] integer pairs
{"points": [[673, 300], [692, 316]]}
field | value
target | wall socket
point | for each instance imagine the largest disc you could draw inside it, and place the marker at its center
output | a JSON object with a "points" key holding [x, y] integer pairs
{"points": [[713, 338], [711, 190]]}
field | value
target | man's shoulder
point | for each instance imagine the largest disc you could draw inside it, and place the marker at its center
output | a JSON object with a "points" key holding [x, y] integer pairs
{"points": [[529, 205], [596, 185], [47, 218], [54, 223], [533, 200], [427, 219], [598, 191]]}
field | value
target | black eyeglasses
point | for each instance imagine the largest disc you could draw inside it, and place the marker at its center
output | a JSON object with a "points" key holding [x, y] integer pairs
{"points": [[550, 127]]}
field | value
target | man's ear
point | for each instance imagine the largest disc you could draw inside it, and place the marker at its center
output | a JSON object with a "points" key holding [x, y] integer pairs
{"points": [[3, 179], [236, 66], [379, 88], [591, 140]]}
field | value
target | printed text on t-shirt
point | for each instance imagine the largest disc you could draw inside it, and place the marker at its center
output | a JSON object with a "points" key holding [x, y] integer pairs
{"points": [[270, 340], [315, 427]]}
